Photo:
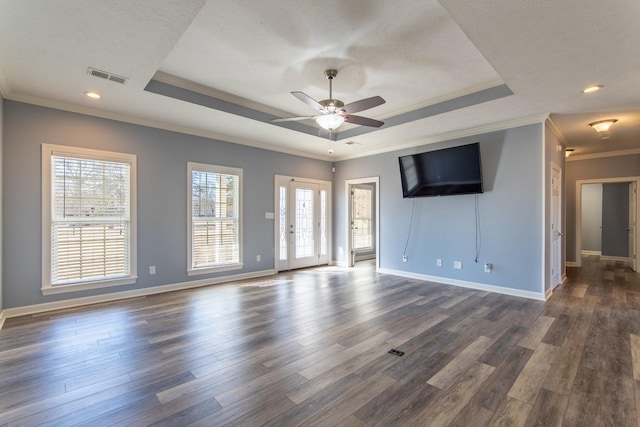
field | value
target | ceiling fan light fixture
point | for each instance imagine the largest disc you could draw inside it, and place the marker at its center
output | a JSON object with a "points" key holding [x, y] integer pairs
{"points": [[603, 125], [330, 122]]}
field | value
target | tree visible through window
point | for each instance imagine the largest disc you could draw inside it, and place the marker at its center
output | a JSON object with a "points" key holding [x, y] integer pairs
{"points": [[214, 219]]}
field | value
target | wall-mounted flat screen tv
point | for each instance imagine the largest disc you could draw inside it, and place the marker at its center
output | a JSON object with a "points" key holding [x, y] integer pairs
{"points": [[445, 172]]}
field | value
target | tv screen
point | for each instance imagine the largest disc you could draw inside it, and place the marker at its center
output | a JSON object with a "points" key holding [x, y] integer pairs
{"points": [[445, 172]]}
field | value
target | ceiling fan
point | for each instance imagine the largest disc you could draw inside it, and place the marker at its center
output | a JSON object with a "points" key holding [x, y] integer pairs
{"points": [[333, 112]]}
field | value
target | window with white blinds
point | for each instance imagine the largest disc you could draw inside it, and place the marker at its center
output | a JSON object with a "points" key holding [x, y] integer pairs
{"points": [[88, 219], [215, 218]]}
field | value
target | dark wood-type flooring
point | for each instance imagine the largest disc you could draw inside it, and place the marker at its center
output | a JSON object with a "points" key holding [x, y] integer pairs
{"points": [[311, 348]]}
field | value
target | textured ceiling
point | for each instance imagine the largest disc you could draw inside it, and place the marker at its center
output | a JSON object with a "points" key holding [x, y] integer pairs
{"points": [[223, 69]]}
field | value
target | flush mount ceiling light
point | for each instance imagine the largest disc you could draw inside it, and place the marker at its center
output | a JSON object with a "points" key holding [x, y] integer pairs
{"points": [[592, 89], [93, 95], [603, 125]]}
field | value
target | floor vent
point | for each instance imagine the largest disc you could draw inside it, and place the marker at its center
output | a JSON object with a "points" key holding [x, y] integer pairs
{"points": [[106, 76], [396, 352]]}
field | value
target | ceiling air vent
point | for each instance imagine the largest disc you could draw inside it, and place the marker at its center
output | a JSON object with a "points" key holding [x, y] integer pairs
{"points": [[106, 75]]}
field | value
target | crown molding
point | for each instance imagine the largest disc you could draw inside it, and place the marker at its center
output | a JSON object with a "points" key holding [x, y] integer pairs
{"points": [[553, 126], [126, 118], [573, 158], [478, 130]]}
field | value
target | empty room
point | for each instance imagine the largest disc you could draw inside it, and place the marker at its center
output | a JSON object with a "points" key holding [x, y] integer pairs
{"points": [[277, 213]]}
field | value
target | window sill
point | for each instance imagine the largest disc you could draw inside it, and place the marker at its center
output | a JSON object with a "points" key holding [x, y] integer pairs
{"points": [[208, 270], [85, 286]]}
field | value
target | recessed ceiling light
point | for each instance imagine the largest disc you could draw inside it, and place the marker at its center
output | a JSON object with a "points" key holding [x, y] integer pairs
{"points": [[93, 95], [592, 89]]}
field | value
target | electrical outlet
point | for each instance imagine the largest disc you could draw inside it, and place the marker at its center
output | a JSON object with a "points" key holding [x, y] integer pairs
{"points": [[457, 265], [439, 262], [405, 258], [488, 268], [152, 269], [258, 258]]}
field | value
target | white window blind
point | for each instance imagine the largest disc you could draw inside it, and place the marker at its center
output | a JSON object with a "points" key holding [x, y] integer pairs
{"points": [[89, 217], [215, 220]]}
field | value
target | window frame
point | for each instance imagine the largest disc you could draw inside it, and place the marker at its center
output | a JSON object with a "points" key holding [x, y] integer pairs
{"points": [[368, 218], [49, 150], [224, 170]]}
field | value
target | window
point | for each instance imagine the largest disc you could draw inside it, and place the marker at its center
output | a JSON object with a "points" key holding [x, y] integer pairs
{"points": [[214, 218], [362, 218], [89, 221]]}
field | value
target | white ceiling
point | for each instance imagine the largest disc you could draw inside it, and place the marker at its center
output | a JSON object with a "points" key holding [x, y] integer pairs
{"points": [[223, 69]]}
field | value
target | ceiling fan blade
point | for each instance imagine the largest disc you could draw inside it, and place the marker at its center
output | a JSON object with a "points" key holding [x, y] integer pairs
{"points": [[364, 121], [309, 101], [363, 104], [293, 119]]}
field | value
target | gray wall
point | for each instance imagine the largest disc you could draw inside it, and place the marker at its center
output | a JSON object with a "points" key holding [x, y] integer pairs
{"points": [[591, 217], [444, 227], [162, 194], [606, 167]]}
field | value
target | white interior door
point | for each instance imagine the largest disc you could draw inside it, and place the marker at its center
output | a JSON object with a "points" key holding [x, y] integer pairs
{"points": [[556, 227], [303, 224]]}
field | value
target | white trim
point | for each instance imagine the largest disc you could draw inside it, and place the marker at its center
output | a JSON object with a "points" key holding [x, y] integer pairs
{"points": [[553, 127], [474, 131], [570, 264], [220, 170], [209, 270], [77, 302], [576, 157], [555, 168], [286, 180], [85, 286], [126, 118], [587, 253], [49, 150], [465, 284], [548, 294], [3, 317], [348, 183]]}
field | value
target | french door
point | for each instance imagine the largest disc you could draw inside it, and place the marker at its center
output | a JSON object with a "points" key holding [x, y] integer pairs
{"points": [[303, 223]]}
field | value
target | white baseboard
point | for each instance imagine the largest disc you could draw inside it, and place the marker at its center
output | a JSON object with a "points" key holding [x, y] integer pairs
{"points": [[115, 296], [587, 253], [571, 264], [464, 284]]}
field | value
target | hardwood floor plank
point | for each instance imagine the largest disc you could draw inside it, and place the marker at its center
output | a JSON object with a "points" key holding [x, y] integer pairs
{"points": [[548, 409], [447, 375], [511, 413], [472, 415], [536, 333], [635, 355], [495, 389], [400, 403], [451, 403], [529, 383]]}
